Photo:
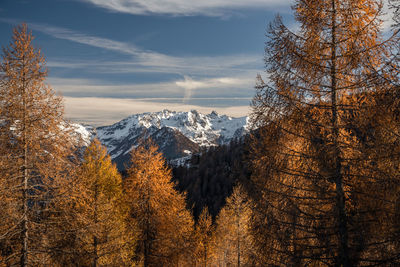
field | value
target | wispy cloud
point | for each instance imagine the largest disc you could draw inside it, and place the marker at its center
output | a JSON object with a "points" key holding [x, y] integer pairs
{"points": [[185, 89], [73, 36], [105, 111], [185, 7], [204, 7], [236, 70], [90, 40], [142, 60], [192, 66], [190, 85], [202, 77], [96, 88]]}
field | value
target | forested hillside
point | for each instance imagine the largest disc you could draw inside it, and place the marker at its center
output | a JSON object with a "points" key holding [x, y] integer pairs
{"points": [[208, 178]]}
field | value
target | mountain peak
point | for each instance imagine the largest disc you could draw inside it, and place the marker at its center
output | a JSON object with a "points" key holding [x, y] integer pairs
{"points": [[214, 114], [186, 130]]}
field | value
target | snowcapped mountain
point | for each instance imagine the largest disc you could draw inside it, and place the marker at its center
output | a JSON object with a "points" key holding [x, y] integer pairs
{"points": [[82, 134], [178, 134]]}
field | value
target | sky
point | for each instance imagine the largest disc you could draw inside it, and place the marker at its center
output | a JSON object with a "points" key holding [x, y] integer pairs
{"points": [[114, 58]]}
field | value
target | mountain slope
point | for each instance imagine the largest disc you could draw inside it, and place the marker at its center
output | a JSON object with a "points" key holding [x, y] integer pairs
{"points": [[171, 143], [178, 134]]}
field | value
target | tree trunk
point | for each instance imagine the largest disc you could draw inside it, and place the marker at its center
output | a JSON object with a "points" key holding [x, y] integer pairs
{"points": [[205, 256], [96, 257], [343, 257], [238, 239], [146, 252], [25, 233], [147, 240], [95, 241]]}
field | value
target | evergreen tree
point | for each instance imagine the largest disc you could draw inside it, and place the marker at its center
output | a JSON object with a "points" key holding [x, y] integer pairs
{"points": [[34, 145], [164, 224], [209, 178]]}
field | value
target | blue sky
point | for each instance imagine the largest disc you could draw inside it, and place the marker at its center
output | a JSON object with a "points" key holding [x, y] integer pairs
{"points": [[113, 58]]}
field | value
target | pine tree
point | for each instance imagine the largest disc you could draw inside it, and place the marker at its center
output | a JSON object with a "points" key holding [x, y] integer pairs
{"points": [[234, 240], [316, 160], [164, 224], [34, 145], [95, 215]]}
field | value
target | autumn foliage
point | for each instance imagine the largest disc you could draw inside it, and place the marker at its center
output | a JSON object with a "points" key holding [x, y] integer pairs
{"points": [[94, 227], [164, 225], [326, 180], [34, 146], [318, 184]]}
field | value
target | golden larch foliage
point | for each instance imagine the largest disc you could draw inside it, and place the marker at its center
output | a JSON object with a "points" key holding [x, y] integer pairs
{"points": [[234, 241], [164, 223], [319, 163], [206, 240], [34, 147], [95, 216]]}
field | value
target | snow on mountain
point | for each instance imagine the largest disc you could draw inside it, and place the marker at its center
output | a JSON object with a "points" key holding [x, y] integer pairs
{"points": [[204, 130], [83, 133], [178, 134]]}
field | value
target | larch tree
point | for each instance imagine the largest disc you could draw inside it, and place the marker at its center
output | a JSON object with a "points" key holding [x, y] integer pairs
{"points": [[315, 157], [95, 215], [34, 145], [205, 238], [164, 224], [234, 241]]}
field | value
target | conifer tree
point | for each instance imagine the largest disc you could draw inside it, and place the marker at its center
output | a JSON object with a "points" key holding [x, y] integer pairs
{"points": [[95, 215], [316, 160], [34, 145], [164, 224], [233, 237], [205, 238]]}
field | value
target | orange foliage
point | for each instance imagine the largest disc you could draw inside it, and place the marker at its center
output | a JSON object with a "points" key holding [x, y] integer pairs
{"points": [[164, 223]]}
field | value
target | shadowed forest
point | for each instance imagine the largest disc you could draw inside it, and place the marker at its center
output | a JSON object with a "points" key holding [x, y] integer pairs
{"points": [[315, 183]]}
